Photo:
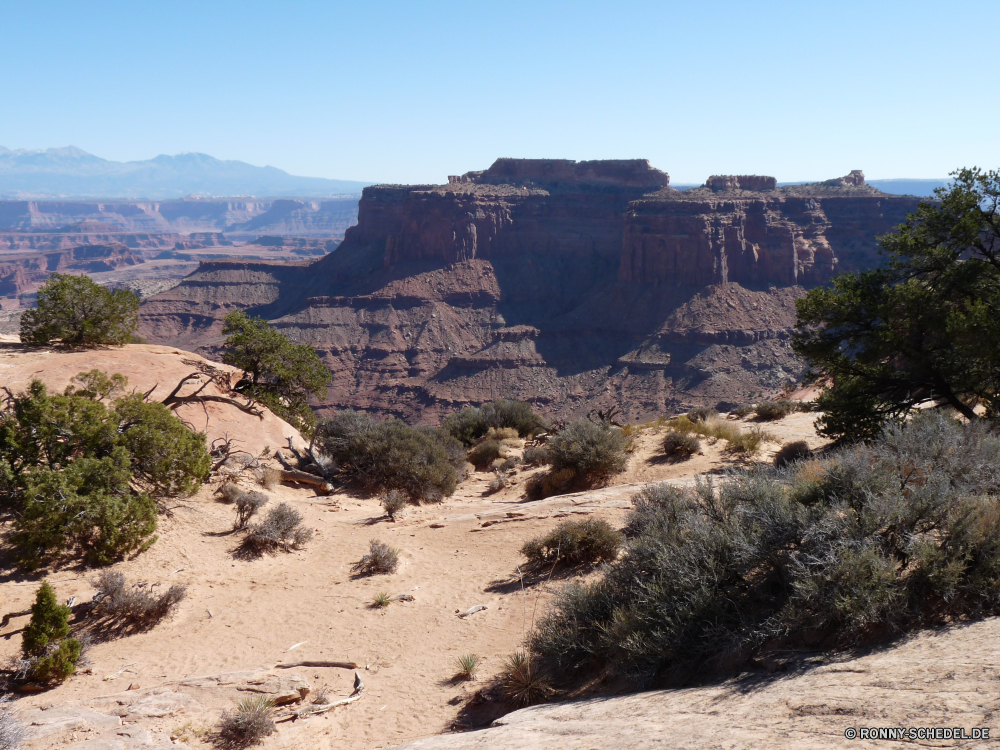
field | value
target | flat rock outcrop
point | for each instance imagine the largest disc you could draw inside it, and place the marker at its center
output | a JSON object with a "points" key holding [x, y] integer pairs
{"points": [[633, 293]]}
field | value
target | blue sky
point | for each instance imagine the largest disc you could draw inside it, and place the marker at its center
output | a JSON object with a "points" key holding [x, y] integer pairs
{"points": [[414, 91]]}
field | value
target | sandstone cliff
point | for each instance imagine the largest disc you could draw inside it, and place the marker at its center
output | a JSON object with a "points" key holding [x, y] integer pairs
{"points": [[23, 274], [570, 284]]}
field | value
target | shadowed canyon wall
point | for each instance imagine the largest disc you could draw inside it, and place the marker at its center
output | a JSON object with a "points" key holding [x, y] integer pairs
{"points": [[569, 284]]}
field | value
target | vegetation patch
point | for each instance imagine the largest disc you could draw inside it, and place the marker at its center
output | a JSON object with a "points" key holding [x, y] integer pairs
{"points": [[583, 454], [472, 423], [248, 725], [681, 445], [74, 311], [130, 608], [575, 542], [877, 540], [280, 530], [380, 560]]}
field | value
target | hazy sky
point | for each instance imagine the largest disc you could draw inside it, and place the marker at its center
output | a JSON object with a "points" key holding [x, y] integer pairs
{"points": [[414, 91]]}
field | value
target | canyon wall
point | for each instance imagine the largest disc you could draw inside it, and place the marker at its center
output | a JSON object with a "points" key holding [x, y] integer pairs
{"points": [[569, 284], [23, 274]]}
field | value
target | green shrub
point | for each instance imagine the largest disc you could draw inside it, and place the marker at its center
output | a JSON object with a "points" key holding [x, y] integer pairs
{"points": [[743, 411], [74, 311], [703, 414], [575, 542], [467, 425], [768, 411], [878, 540], [467, 665], [791, 452], [106, 464], [45, 644], [471, 423], [248, 725], [380, 560], [593, 452], [391, 455], [680, 444], [484, 453], [537, 455], [277, 372], [523, 681]]}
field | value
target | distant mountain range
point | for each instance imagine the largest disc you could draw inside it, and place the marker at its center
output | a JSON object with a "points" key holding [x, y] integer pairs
{"points": [[72, 172]]}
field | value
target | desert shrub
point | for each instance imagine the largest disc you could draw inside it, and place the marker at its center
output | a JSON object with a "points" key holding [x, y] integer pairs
{"points": [[248, 502], [12, 732], [270, 478], [791, 452], [393, 501], [381, 600], [523, 682], [703, 414], [506, 464], [107, 464], [50, 654], [466, 666], [768, 411], [381, 559], [500, 481], [680, 444], [281, 529], [552, 482], [537, 455], [594, 452], [574, 542], [74, 311], [277, 372], [132, 607], [880, 539], [454, 448], [392, 455], [502, 433], [248, 725], [471, 423], [749, 442], [484, 453], [743, 411]]}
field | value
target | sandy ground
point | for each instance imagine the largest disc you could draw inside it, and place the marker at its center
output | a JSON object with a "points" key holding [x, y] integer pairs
{"points": [[241, 615]]}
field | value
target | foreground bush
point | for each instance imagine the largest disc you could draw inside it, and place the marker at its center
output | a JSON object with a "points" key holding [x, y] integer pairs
{"points": [[877, 540], [49, 654], [281, 529], [768, 411], [792, 452], [74, 311], [680, 444], [575, 542], [594, 452], [106, 464], [248, 725], [380, 560], [425, 464], [484, 453], [132, 607]]}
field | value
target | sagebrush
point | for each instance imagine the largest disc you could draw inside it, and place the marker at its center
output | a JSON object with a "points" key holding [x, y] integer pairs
{"points": [[381, 559], [573, 542], [281, 529], [134, 606], [870, 542]]}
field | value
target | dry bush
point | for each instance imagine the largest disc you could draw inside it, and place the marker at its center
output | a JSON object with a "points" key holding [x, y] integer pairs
{"points": [[281, 529], [681, 444], [878, 540], [537, 455], [523, 682], [484, 453], [228, 492], [270, 478], [768, 411], [791, 452], [380, 560], [703, 414], [552, 482], [393, 502], [500, 481], [12, 732], [502, 433], [247, 505], [132, 607], [506, 464], [575, 542], [248, 725], [749, 442], [743, 411]]}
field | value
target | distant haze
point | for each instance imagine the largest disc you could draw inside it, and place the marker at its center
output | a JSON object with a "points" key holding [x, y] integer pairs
{"points": [[71, 172]]}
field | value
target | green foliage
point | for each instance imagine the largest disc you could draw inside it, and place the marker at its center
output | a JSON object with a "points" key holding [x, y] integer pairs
{"points": [[79, 475], [594, 452], [768, 411], [381, 600], [923, 328], [248, 725], [74, 311], [45, 642], [575, 542], [277, 372], [424, 463], [472, 423], [523, 681], [484, 453], [467, 666], [880, 539]]}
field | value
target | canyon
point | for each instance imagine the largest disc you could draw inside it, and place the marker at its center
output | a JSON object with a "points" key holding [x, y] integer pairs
{"points": [[572, 285]]}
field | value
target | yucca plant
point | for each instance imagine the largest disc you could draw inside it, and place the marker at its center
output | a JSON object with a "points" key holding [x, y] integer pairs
{"points": [[467, 666], [380, 600], [522, 681]]}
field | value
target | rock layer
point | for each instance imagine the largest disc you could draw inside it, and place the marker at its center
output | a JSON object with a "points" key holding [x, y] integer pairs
{"points": [[570, 284]]}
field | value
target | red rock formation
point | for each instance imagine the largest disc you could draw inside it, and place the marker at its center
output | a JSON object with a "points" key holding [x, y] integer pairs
{"points": [[569, 284], [23, 274]]}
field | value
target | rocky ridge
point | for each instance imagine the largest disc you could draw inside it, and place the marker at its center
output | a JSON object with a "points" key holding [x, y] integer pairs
{"points": [[569, 284]]}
